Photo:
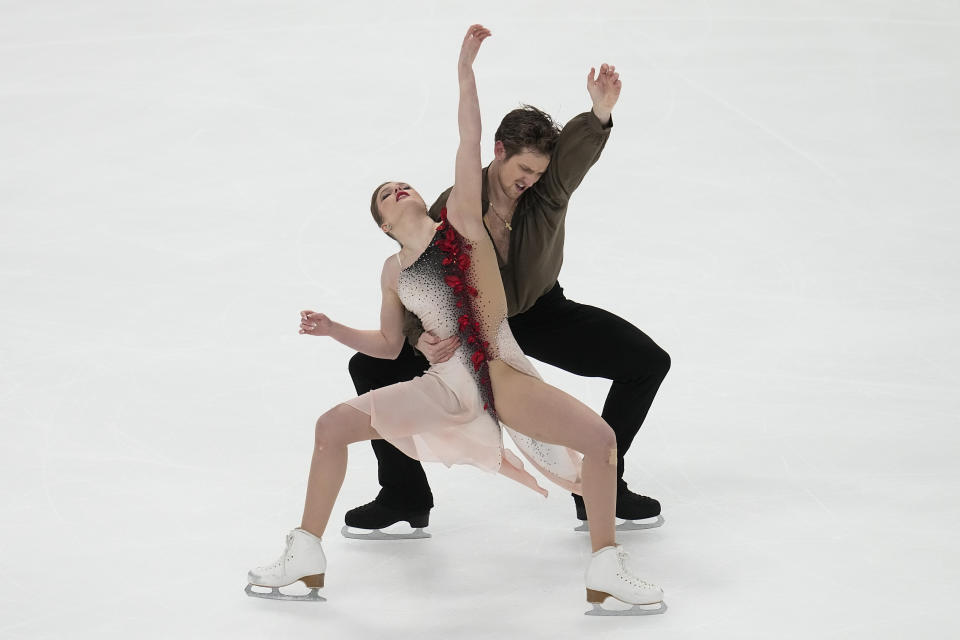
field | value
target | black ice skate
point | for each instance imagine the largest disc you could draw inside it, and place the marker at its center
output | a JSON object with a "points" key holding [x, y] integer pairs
{"points": [[373, 516], [633, 511]]}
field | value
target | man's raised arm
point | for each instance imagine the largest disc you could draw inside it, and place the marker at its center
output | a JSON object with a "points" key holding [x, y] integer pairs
{"points": [[582, 139]]}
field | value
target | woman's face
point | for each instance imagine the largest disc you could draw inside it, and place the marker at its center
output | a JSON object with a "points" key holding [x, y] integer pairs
{"points": [[397, 199]]}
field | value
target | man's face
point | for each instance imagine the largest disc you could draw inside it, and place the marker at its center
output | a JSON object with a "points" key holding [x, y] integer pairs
{"points": [[521, 171]]}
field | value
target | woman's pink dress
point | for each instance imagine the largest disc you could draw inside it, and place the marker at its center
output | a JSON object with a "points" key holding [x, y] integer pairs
{"points": [[448, 414]]}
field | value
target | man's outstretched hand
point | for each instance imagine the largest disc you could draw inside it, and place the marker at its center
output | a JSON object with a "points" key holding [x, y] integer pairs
{"points": [[604, 90]]}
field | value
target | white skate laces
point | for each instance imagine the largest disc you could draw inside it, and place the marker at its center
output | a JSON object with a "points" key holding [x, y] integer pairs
{"points": [[287, 555], [281, 562], [626, 573]]}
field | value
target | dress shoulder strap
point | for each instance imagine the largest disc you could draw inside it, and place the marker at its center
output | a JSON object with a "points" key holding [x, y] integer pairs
{"points": [[398, 260]]}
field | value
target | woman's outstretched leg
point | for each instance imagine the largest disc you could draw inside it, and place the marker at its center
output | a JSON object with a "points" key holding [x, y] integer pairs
{"points": [[337, 428], [540, 411], [303, 559], [536, 409]]}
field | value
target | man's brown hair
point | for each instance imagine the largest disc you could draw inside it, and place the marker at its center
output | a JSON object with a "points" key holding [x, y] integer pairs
{"points": [[527, 129]]}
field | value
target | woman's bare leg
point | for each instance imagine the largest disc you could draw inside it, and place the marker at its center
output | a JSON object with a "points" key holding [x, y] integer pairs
{"points": [[536, 409], [337, 428]]}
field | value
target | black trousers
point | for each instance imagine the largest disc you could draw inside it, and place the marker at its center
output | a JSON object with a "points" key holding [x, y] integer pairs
{"points": [[578, 338]]}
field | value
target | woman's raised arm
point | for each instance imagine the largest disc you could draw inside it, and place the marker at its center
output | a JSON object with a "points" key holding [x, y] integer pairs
{"points": [[464, 208]]}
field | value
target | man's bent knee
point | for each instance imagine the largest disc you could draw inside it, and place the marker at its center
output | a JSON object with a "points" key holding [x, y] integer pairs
{"points": [[664, 362], [359, 366]]}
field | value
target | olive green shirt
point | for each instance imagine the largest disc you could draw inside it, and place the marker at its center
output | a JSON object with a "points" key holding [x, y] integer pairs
{"points": [[536, 241]]}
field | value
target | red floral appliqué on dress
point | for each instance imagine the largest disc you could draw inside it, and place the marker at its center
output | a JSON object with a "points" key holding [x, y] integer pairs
{"points": [[456, 262]]}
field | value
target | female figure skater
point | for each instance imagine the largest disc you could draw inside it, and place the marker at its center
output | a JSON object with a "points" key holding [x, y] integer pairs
{"points": [[448, 276]]}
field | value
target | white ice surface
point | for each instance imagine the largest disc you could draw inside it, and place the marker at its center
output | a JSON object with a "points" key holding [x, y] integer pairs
{"points": [[777, 207]]}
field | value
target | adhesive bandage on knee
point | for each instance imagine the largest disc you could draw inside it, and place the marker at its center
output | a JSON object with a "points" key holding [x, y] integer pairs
{"points": [[612, 460]]}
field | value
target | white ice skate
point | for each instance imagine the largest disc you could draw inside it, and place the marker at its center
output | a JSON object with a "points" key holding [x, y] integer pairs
{"points": [[302, 560], [609, 577]]}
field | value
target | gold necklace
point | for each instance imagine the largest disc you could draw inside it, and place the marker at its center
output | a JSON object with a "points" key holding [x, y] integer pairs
{"points": [[497, 213]]}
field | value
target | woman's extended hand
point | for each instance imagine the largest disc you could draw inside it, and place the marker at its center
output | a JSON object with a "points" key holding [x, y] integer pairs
{"points": [[476, 34], [316, 324]]}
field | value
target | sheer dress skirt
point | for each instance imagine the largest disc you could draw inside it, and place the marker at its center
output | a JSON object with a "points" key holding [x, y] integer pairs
{"points": [[440, 417]]}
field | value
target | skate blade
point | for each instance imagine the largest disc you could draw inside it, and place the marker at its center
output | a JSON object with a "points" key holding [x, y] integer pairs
{"points": [[377, 534], [276, 594], [635, 610], [628, 525]]}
